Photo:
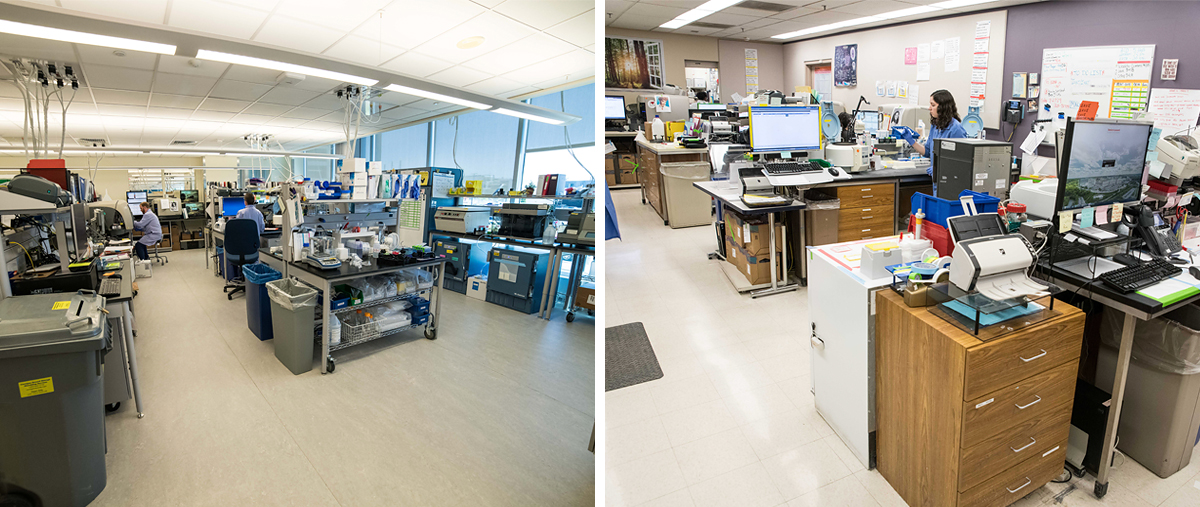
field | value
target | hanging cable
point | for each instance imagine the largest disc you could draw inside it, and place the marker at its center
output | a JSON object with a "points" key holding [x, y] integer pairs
{"points": [[567, 137]]}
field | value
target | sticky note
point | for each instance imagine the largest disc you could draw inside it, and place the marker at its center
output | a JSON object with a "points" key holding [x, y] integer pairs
{"points": [[786, 154], [1116, 211], [1101, 215], [1064, 220], [1085, 217]]}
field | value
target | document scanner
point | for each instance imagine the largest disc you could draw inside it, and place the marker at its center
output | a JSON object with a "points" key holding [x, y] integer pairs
{"points": [[1182, 153], [996, 267]]}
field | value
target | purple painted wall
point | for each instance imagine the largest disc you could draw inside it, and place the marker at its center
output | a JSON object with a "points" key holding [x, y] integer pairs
{"points": [[1172, 26]]}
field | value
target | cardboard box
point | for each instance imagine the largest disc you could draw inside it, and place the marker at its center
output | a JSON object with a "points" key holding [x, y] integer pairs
{"points": [[626, 161], [756, 268], [477, 287], [627, 177], [750, 233], [610, 177], [585, 298]]}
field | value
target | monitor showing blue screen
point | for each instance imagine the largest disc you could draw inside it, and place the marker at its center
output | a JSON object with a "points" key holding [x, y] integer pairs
{"points": [[785, 128], [230, 206]]}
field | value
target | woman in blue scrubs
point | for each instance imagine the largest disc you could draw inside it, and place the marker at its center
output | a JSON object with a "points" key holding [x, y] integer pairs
{"points": [[946, 125]]}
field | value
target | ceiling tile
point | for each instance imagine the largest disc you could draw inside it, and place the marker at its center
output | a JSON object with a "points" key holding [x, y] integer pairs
{"points": [[298, 35], [28, 47], [342, 16], [223, 105], [401, 29], [181, 65], [334, 117], [317, 84], [251, 119], [614, 8], [145, 11], [459, 76], [555, 67], [288, 96], [120, 97], [285, 122], [497, 86], [252, 74], [305, 113], [326, 101], [416, 64], [178, 84], [362, 50], [496, 30], [168, 112], [230, 89], [532, 49], [542, 14], [267, 109], [96, 55], [873, 7], [102, 76], [726, 18], [216, 18], [579, 30], [180, 101], [642, 16], [488, 3], [12, 104], [823, 18]]}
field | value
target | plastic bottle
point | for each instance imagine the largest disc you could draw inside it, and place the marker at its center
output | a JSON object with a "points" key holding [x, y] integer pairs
{"points": [[911, 248], [920, 128], [549, 233], [335, 330], [919, 216], [657, 130]]}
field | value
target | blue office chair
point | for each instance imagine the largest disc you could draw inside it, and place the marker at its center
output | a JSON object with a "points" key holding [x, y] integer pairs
{"points": [[241, 248]]}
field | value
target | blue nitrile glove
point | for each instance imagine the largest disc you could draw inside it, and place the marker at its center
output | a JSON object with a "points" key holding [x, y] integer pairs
{"points": [[909, 135]]}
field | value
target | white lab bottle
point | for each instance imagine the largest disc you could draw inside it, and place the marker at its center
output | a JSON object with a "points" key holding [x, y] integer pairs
{"points": [[335, 330], [920, 128], [549, 233], [658, 131]]}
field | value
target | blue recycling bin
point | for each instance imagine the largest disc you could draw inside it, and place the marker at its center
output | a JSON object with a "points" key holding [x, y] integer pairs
{"points": [[258, 305]]}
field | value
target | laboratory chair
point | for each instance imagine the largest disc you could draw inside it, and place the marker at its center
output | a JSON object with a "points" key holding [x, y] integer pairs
{"points": [[162, 261], [241, 248]]}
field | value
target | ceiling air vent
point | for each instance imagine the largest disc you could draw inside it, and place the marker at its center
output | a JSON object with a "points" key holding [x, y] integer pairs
{"points": [[183, 143], [765, 6], [92, 142], [702, 24]]}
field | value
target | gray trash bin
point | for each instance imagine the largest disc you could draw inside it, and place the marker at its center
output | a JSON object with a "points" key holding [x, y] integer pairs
{"points": [[1161, 412], [292, 307], [52, 399]]}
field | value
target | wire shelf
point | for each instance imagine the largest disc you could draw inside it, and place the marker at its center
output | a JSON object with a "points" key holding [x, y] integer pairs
{"points": [[353, 335], [389, 299]]}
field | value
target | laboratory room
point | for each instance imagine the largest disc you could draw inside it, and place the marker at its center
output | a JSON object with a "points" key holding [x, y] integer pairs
{"points": [[289, 252], [902, 253]]}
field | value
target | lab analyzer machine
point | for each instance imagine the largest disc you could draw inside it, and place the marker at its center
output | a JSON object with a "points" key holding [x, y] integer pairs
{"points": [[464, 258], [516, 276], [462, 219]]}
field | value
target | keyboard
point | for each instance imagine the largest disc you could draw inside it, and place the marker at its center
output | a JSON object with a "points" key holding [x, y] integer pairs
{"points": [[791, 167], [1131, 278], [110, 286]]}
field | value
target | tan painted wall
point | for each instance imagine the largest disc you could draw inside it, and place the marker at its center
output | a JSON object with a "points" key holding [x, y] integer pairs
{"points": [[733, 67], [676, 49]]}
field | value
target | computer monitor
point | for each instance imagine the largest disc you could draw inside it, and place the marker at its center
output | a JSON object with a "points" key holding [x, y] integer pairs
{"points": [[614, 107], [134, 198], [187, 196], [870, 120], [785, 128], [230, 206], [1103, 163]]}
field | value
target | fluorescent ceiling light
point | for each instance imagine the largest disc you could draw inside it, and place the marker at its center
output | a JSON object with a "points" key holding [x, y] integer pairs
{"points": [[407, 90], [709, 7], [921, 9], [954, 4], [527, 116], [871, 19], [91, 39], [205, 54]]}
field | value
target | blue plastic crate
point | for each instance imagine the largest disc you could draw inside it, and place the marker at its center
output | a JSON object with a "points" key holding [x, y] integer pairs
{"points": [[938, 210]]}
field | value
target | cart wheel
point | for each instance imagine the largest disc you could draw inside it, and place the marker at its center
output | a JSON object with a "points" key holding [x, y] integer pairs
{"points": [[112, 407], [332, 365], [431, 334], [1100, 490], [570, 317], [666, 223], [643, 201], [591, 313], [135, 333], [1078, 472]]}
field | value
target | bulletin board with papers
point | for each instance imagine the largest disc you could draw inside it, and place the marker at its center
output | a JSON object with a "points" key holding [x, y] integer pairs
{"points": [[1115, 77]]}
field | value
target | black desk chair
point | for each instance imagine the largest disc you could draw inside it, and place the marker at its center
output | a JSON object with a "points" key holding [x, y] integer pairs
{"points": [[241, 248]]}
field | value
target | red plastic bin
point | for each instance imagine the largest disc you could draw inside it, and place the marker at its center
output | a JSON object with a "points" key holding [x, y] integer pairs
{"points": [[935, 233]]}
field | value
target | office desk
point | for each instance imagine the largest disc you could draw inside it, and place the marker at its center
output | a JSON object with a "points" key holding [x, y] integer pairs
{"points": [[624, 142], [324, 280], [652, 156], [119, 375], [732, 197], [1134, 306]]}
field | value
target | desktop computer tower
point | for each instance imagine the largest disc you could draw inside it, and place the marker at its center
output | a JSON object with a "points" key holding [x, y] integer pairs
{"points": [[971, 164], [464, 258], [516, 276]]}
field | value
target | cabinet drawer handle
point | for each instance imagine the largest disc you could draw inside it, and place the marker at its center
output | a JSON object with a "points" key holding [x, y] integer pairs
{"points": [[1032, 441], [867, 196], [866, 230], [1034, 357], [868, 217], [1027, 481], [1032, 403], [867, 189]]}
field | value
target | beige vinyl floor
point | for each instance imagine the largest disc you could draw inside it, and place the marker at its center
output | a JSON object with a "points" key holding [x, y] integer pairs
{"points": [[497, 411], [732, 421]]}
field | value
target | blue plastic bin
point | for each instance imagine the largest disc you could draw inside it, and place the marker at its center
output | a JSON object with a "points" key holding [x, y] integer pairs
{"points": [[938, 210], [258, 304]]}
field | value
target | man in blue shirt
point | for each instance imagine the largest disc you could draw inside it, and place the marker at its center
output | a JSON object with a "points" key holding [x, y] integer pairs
{"points": [[251, 212], [151, 231], [946, 125]]}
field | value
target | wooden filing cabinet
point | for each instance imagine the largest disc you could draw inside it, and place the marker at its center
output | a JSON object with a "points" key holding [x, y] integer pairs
{"points": [[867, 211], [651, 176], [963, 422]]}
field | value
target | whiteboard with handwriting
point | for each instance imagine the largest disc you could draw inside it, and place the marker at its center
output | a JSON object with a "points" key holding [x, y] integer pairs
{"points": [[1117, 77]]}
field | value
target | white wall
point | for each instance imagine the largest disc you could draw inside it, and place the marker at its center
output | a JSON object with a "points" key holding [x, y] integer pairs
{"points": [[881, 57]]}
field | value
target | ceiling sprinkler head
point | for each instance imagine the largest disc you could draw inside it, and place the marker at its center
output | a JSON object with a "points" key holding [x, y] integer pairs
{"points": [[119, 53]]}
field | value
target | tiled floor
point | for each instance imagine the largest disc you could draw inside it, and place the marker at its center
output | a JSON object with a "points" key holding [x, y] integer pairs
{"points": [[732, 422], [497, 411]]}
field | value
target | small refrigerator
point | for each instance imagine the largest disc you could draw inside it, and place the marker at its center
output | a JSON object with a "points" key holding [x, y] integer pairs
{"points": [[516, 277], [464, 258]]}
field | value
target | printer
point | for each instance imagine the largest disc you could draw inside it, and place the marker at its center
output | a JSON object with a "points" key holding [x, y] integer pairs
{"points": [[521, 220], [1037, 196], [1181, 153], [39, 188], [995, 266], [462, 219], [581, 229]]}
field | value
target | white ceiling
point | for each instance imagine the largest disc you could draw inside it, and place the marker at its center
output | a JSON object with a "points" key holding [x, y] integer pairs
{"points": [[759, 25], [150, 100]]}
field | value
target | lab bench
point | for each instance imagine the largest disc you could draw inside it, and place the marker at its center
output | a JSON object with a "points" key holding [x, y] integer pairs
{"points": [[652, 156]]}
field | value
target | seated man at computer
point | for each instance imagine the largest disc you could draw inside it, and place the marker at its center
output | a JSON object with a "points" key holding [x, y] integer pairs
{"points": [[151, 231], [251, 211]]}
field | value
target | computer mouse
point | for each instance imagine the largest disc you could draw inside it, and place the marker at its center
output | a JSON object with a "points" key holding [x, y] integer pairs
{"points": [[833, 171], [1195, 272]]}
